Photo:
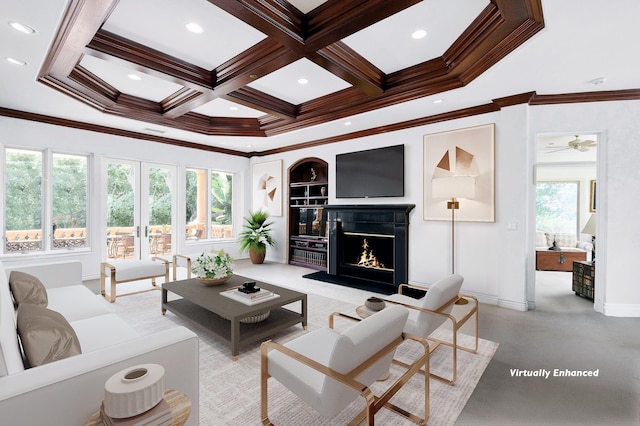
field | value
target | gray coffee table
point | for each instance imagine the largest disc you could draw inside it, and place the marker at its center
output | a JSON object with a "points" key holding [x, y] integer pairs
{"points": [[206, 306]]}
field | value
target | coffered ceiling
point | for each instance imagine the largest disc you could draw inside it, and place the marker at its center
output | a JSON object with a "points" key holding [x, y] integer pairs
{"points": [[262, 76]]}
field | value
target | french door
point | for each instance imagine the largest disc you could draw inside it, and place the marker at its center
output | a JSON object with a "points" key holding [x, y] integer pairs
{"points": [[141, 209]]}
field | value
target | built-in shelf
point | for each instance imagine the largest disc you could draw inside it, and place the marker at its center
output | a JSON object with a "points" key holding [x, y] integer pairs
{"points": [[308, 195]]}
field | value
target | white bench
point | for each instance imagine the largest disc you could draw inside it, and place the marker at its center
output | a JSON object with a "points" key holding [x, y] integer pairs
{"points": [[123, 271]]}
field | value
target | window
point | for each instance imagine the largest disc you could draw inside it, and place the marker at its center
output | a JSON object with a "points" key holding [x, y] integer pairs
{"points": [[35, 221], [557, 207], [70, 200], [213, 189]]}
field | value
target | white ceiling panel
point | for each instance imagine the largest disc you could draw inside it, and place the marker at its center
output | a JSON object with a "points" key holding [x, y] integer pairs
{"points": [[283, 83], [147, 87], [389, 46], [163, 29], [224, 108]]}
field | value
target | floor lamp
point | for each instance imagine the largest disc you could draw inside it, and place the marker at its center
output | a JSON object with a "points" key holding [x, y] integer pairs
{"points": [[590, 229], [453, 187]]}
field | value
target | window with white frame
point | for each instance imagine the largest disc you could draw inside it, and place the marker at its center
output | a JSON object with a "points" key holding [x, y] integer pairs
{"points": [[46, 201], [209, 204]]}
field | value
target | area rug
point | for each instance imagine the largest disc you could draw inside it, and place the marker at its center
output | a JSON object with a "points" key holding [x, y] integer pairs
{"points": [[230, 391]]}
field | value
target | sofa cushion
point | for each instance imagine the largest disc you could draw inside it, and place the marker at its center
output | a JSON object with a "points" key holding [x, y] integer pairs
{"points": [[10, 357], [46, 335], [102, 331], [566, 240], [76, 302], [27, 289]]}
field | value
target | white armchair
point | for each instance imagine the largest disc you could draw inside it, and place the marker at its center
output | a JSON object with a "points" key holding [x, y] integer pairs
{"points": [[329, 369], [433, 309]]}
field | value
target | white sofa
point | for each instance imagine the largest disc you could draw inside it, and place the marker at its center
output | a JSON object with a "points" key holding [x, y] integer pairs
{"points": [[70, 390], [544, 240]]}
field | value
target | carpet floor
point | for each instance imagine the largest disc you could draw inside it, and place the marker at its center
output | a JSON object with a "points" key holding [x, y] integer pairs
{"points": [[230, 391]]}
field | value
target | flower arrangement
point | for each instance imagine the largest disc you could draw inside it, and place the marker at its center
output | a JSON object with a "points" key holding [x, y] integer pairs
{"points": [[213, 266]]}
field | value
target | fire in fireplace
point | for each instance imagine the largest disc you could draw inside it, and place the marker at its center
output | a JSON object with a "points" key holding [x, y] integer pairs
{"points": [[368, 251]]}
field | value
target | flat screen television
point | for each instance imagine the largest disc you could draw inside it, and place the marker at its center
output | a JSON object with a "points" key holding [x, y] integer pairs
{"points": [[371, 173]]}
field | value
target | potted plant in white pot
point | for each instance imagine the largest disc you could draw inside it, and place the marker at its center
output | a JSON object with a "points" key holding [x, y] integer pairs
{"points": [[256, 236]]}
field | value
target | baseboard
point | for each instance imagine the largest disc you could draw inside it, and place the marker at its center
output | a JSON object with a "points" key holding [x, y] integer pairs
{"points": [[510, 304], [621, 310]]}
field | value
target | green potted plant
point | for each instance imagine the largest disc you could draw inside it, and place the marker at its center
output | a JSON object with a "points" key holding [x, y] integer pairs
{"points": [[256, 235]]}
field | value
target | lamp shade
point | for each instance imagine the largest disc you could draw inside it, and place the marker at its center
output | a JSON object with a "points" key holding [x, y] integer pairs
{"points": [[590, 227], [454, 187]]}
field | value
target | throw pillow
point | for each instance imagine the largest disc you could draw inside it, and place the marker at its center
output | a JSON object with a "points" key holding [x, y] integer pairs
{"points": [[566, 240], [46, 335], [27, 289]]}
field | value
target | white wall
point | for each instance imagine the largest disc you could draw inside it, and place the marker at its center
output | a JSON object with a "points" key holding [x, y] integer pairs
{"points": [[497, 259], [491, 258], [618, 192], [27, 134]]}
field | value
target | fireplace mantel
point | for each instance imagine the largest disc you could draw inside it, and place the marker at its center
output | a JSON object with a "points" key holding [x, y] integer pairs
{"points": [[382, 219]]}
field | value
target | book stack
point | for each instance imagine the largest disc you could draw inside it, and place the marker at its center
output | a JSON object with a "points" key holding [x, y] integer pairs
{"points": [[160, 415], [256, 295]]}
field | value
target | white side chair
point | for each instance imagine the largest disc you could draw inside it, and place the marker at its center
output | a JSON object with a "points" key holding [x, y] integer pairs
{"points": [[432, 310], [329, 369]]}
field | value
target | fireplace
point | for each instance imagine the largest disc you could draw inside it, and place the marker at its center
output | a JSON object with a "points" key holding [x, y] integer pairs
{"points": [[370, 243]]}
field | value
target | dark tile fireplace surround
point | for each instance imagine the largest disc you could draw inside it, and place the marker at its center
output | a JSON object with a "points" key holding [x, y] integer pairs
{"points": [[369, 243]]}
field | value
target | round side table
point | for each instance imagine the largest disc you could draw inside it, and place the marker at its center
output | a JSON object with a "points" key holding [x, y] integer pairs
{"points": [[178, 401]]}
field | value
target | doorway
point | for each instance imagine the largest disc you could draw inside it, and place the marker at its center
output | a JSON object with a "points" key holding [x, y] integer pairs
{"points": [[566, 168], [141, 209]]}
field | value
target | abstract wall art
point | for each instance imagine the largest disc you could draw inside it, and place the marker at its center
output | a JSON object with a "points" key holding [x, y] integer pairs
{"points": [[267, 187], [449, 156]]}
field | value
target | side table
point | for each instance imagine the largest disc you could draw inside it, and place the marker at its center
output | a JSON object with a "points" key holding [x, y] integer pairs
{"points": [[178, 401], [584, 283]]}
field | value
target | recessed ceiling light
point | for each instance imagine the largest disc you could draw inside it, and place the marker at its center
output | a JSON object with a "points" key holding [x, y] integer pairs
{"points": [[194, 28], [438, 101], [233, 108], [15, 61], [248, 146], [135, 77], [22, 27], [418, 34], [347, 123], [303, 81]]}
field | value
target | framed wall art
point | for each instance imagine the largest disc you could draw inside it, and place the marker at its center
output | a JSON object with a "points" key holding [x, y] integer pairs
{"points": [[592, 197], [465, 156], [267, 187]]}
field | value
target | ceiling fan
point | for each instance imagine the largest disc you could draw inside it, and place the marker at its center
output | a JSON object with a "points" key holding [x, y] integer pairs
{"points": [[576, 144]]}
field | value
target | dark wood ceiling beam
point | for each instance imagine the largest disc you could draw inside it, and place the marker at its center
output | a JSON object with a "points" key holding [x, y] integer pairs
{"points": [[254, 98], [349, 65], [56, 121], [336, 19], [501, 28], [114, 48], [279, 20], [184, 96]]}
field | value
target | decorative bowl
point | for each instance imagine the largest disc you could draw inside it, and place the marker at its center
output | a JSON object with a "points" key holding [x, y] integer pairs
{"points": [[256, 318], [375, 304], [214, 281]]}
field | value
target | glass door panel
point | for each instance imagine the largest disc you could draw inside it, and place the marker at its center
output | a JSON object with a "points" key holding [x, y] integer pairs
{"points": [[123, 227], [158, 210]]}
